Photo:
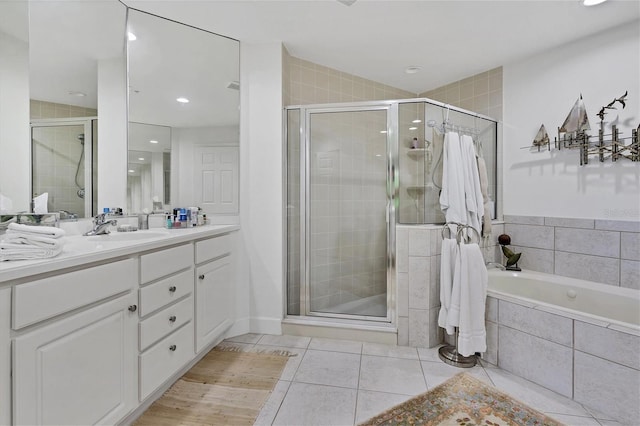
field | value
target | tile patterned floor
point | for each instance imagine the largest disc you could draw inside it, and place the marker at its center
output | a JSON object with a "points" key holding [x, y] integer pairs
{"points": [[340, 382]]}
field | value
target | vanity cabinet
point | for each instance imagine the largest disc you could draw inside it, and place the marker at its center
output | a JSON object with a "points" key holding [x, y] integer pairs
{"points": [[214, 289], [81, 368], [5, 356], [166, 310]]}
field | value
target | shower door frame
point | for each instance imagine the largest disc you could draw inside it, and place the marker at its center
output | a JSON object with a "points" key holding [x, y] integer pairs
{"points": [[87, 123], [391, 109]]}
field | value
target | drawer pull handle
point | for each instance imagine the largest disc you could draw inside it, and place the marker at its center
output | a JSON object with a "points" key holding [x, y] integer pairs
{"points": [[201, 277], [133, 308], [172, 348], [172, 318], [172, 289]]}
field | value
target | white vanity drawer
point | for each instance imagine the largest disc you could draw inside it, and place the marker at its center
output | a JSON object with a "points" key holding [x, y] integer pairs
{"points": [[165, 358], [45, 298], [213, 247], [157, 295], [158, 264], [164, 322]]}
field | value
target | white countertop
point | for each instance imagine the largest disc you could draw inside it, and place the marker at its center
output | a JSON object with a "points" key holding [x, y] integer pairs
{"points": [[80, 250]]}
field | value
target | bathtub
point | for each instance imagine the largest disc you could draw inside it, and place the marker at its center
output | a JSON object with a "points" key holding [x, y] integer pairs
{"points": [[586, 300], [577, 338]]}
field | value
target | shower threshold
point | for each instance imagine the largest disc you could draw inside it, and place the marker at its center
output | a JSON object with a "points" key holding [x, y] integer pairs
{"points": [[341, 328]]}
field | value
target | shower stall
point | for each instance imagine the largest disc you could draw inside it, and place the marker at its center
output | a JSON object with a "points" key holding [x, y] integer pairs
{"points": [[63, 155], [353, 172]]}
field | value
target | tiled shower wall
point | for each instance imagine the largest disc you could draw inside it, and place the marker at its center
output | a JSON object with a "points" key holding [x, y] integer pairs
{"points": [[604, 251], [481, 93]]}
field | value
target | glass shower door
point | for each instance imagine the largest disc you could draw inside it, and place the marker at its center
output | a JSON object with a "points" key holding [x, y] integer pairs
{"points": [[347, 244]]}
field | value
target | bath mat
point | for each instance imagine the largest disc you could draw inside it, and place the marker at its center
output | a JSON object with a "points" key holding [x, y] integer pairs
{"points": [[226, 387], [462, 400]]}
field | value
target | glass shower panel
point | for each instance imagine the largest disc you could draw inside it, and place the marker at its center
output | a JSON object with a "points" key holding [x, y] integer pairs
{"points": [[347, 155], [58, 167], [293, 258]]}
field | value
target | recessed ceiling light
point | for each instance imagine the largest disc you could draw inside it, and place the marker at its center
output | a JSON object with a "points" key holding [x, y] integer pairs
{"points": [[153, 141], [347, 2], [417, 120], [413, 128], [412, 69], [131, 36], [76, 93], [383, 131], [183, 100], [592, 2], [140, 158], [131, 171]]}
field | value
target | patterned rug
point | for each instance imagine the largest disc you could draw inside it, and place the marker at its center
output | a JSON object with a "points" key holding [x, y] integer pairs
{"points": [[226, 387], [462, 400]]}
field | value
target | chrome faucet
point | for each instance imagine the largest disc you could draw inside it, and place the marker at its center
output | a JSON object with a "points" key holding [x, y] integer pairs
{"points": [[101, 225], [496, 265]]}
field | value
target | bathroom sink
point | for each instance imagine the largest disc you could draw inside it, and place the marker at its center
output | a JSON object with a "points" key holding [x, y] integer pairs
{"points": [[127, 236]]}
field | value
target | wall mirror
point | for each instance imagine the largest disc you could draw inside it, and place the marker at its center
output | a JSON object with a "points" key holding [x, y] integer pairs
{"points": [[72, 49], [183, 87]]}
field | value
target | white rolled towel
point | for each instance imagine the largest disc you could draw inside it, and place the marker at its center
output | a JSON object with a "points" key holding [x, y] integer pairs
{"points": [[17, 251], [34, 240]]}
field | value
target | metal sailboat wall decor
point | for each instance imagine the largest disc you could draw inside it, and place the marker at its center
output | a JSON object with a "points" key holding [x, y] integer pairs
{"points": [[577, 121], [542, 138]]}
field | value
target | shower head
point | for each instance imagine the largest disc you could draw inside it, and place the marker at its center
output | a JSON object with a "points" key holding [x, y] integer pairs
{"points": [[81, 138]]}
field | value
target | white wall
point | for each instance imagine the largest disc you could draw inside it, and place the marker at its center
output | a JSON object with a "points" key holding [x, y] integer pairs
{"points": [[541, 90], [15, 153], [261, 193], [112, 128]]}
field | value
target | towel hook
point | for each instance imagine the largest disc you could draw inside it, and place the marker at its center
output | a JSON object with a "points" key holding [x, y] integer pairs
{"points": [[460, 237]]}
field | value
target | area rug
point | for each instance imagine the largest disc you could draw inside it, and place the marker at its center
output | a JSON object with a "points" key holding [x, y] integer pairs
{"points": [[462, 400], [226, 387]]}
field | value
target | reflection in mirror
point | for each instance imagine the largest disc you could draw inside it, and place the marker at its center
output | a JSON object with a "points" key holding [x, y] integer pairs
{"points": [[72, 44], [184, 79], [149, 168], [14, 106]]}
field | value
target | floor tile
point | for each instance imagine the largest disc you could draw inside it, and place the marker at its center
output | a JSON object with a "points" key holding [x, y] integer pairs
{"points": [[438, 372], [379, 349], [270, 409], [534, 395], [329, 368], [236, 346], [574, 420], [429, 354], [371, 403], [293, 363], [308, 404], [335, 345], [245, 338], [393, 375], [285, 340]]}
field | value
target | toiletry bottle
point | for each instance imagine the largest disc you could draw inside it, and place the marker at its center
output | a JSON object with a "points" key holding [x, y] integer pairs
{"points": [[169, 222], [193, 213]]}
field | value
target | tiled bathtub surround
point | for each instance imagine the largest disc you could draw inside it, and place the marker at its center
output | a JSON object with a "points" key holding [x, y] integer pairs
{"points": [[418, 290], [604, 251], [590, 363]]}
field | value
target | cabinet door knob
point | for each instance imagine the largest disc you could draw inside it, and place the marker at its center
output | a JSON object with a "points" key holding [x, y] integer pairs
{"points": [[133, 308], [172, 289], [172, 318], [201, 277], [173, 348]]}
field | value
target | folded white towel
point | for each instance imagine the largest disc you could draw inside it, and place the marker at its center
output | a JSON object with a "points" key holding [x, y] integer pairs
{"points": [[45, 231], [13, 251], [34, 240]]}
